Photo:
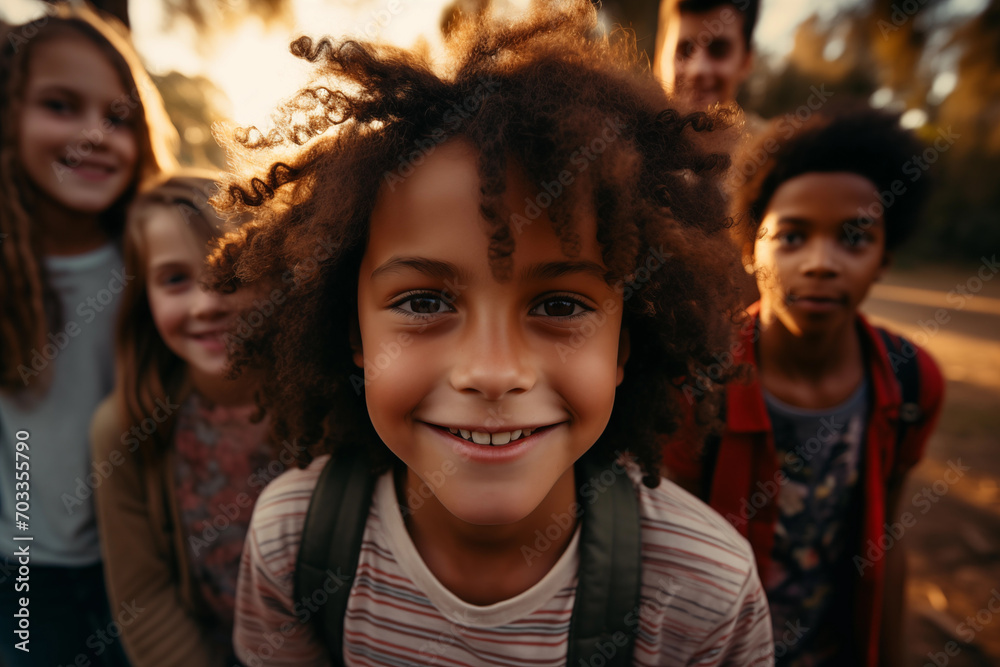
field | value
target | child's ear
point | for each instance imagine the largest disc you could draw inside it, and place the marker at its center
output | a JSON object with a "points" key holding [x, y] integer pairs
{"points": [[886, 262], [354, 334], [624, 346], [886, 259]]}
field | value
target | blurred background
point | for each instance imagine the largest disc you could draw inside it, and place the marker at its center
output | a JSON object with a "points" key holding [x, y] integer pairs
{"points": [[937, 62]]}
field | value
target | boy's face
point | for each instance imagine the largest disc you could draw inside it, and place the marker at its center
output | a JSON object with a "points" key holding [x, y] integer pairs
{"points": [[703, 58], [817, 253], [446, 347]]}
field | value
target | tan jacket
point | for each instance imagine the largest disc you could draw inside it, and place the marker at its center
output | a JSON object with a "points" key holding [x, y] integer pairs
{"points": [[145, 557]]}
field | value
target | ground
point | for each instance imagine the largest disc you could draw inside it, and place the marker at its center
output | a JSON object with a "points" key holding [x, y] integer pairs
{"points": [[953, 593]]}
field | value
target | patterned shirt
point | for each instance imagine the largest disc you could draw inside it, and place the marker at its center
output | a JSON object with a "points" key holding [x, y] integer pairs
{"points": [[701, 600], [218, 451], [819, 451]]}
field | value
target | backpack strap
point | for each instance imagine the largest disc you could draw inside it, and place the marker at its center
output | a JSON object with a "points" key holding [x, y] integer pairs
{"points": [[710, 455], [331, 543], [905, 367], [606, 611]]}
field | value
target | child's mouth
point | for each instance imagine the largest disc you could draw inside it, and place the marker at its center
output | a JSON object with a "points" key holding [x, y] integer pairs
{"points": [[498, 439]]}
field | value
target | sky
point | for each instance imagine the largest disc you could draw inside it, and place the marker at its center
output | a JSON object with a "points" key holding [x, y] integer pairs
{"points": [[252, 66]]}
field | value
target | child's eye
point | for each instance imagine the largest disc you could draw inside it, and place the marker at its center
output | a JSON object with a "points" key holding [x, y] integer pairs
{"points": [[856, 240], [422, 304], [118, 121], [720, 48], [57, 106], [175, 280], [790, 238], [560, 306]]}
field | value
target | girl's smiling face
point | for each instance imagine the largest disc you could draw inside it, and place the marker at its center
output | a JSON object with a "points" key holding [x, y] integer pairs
{"points": [[489, 391], [77, 136], [192, 321]]}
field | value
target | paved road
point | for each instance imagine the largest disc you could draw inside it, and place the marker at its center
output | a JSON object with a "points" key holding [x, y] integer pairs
{"points": [[954, 547]]}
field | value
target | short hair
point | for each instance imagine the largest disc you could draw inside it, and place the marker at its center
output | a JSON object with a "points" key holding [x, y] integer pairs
{"points": [[749, 9], [854, 139], [532, 94]]}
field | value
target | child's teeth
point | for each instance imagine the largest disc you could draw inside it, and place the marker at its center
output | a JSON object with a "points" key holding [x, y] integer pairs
{"points": [[498, 439]]}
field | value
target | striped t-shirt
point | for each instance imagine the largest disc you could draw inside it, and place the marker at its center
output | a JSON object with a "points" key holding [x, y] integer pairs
{"points": [[701, 599]]}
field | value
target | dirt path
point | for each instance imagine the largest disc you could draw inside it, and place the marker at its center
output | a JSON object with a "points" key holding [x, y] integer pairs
{"points": [[953, 593]]}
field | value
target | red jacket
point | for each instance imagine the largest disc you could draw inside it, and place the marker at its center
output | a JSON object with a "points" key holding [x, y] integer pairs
{"points": [[745, 482]]}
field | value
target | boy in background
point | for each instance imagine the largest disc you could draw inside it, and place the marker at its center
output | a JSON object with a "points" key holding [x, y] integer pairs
{"points": [[705, 49], [813, 460]]}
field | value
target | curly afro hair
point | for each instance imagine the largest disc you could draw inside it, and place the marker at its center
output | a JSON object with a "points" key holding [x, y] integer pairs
{"points": [[847, 138], [533, 94]]}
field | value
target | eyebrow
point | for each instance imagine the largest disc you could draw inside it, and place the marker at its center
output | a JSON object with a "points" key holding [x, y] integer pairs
{"points": [[716, 39], [170, 264], [57, 88], [551, 270], [792, 220], [804, 222], [429, 267], [444, 270]]}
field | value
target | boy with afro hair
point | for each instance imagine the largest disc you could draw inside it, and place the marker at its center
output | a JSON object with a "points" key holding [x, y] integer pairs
{"points": [[817, 445]]}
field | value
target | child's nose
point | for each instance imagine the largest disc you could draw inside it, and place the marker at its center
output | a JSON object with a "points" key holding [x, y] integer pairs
{"points": [[95, 129], [492, 360], [822, 259], [699, 63], [210, 304]]}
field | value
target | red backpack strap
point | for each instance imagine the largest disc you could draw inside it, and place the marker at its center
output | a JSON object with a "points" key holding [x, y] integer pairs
{"points": [[902, 355]]}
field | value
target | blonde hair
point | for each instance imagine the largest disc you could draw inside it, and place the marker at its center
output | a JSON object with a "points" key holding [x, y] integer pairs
{"points": [[29, 307], [146, 369]]}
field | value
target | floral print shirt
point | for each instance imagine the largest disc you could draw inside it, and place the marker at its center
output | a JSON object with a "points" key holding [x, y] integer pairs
{"points": [[819, 452], [219, 454]]}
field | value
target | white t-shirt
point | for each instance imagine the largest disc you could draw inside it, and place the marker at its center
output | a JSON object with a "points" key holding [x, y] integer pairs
{"points": [[701, 600], [80, 355]]}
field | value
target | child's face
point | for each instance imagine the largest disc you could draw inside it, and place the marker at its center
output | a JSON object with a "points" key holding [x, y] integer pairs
{"points": [[446, 347], [77, 140], [703, 58], [192, 320], [816, 254]]}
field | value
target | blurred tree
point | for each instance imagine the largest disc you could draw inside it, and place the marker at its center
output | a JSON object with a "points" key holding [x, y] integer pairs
{"points": [[208, 16], [965, 213], [194, 104], [899, 33], [974, 104], [832, 57], [117, 8]]}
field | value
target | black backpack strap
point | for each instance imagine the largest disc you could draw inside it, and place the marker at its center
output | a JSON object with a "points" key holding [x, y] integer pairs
{"points": [[709, 459], [903, 359], [606, 611], [710, 454], [331, 544]]}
